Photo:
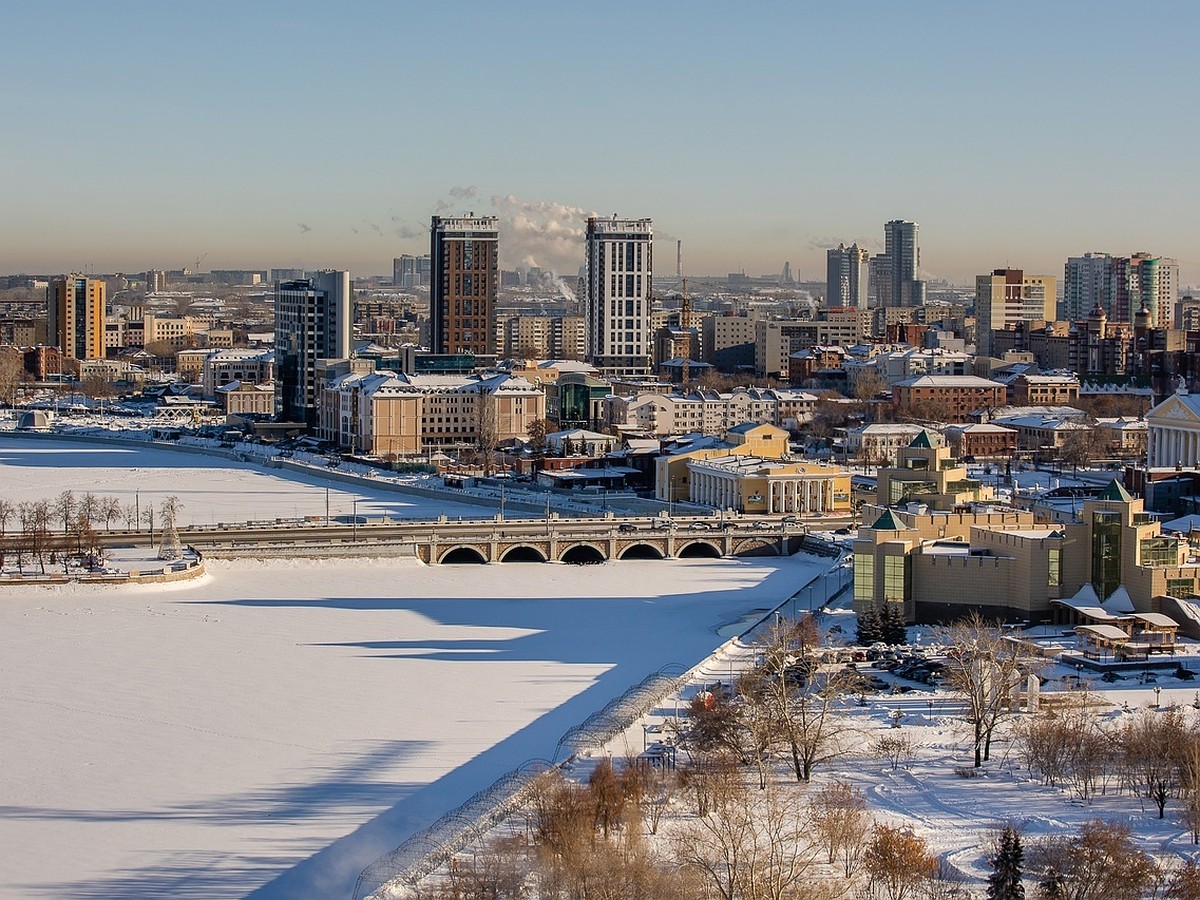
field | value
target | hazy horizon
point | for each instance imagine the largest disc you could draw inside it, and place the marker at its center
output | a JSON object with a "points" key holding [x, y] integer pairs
{"points": [[298, 134]]}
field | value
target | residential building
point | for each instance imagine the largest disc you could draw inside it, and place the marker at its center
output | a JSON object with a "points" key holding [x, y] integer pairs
{"points": [[75, 311], [1008, 296], [312, 323], [1121, 285], [903, 252], [981, 440], [383, 413], [619, 267], [1087, 283], [948, 398], [410, 271], [709, 412], [541, 337], [880, 441], [1049, 389], [247, 367], [727, 341], [465, 277], [847, 276]]}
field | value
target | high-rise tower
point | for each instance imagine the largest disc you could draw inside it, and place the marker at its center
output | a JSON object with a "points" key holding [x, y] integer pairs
{"points": [[1009, 296], [312, 322], [846, 276], [903, 251], [619, 268], [75, 316], [464, 279]]}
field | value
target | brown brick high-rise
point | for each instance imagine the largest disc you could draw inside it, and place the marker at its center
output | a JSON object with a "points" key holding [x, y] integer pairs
{"points": [[464, 278]]}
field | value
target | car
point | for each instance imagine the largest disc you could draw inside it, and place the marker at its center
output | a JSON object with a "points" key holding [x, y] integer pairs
{"points": [[627, 527], [700, 526], [789, 520], [842, 531], [761, 524]]}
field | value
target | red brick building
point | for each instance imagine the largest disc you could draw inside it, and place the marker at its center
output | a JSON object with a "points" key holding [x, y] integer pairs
{"points": [[947, 398]]}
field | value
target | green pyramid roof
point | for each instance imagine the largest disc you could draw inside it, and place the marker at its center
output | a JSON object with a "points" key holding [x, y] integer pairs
{"points": [[887, 522], [1115, 491], [921, 441]]}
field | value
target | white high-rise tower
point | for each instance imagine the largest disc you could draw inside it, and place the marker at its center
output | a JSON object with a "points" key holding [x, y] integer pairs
{"points": [[619, 268]]}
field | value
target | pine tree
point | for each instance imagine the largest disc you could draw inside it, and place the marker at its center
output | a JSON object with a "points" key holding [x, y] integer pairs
{"points": [[870, 625], [1005, 881], [894, 630]]}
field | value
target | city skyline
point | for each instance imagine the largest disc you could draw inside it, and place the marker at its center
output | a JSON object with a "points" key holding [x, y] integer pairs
{"points": [[998, 130]]}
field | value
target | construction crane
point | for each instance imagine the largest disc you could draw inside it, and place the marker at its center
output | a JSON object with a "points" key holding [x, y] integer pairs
{"points": [[685, 316], [200, 259]]}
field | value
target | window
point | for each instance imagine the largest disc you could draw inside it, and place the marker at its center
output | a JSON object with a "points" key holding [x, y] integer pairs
{"points": [[1054, 567], [1181, 587], [864, 576], [895, 578]]}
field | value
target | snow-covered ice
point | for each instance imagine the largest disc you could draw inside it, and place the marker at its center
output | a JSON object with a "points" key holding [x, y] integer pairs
{"points": [[211, 489], [277, 726]]}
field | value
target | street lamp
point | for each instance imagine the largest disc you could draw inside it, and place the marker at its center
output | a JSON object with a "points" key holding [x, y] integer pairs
{"points": [[1157, 692], [929, 703], [354, 524]]}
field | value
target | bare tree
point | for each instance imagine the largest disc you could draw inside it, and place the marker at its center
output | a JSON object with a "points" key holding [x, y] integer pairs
{"points": [[1150, 745], [35, 529], [7, 511], [64, 509], [749, 849], [982, 673], [800, 696], [487, 434], [892, 749], [110, 508], [841, 821]]}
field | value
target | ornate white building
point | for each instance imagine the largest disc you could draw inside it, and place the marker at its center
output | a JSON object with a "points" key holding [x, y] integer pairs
{"points": [[1174, 432]]}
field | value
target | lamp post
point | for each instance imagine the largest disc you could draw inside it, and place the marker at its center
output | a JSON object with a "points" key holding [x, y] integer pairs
{"points": [[1078, 675], [1157, 693], [929, 703], [354, 522]]}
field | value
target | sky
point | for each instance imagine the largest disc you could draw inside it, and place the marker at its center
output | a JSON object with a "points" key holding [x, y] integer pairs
{"points": [[142, 134]]}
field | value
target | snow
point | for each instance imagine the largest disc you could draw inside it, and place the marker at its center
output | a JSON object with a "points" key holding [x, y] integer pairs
{"points": [[211, 488], [274, 727]]}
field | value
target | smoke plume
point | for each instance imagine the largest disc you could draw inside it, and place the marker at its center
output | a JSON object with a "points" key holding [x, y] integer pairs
{"points": [[537, 233]]}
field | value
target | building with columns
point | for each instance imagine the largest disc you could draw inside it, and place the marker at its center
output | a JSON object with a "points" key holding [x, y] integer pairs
{"points": [[750, 484], [1173, 432]]}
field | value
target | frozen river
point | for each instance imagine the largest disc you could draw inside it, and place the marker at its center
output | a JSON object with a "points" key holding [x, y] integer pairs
{"points": [[277, 726]]}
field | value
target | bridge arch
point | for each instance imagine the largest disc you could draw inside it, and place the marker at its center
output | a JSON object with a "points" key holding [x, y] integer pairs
{"points": [[523, 553], [461, 555], [640, 551], [583, 554], [699, 550], [756, 547]]}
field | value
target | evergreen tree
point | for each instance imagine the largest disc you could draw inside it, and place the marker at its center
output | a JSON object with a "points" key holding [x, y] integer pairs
{"points": [[892, 626], [870, 625], [1005, 881]]}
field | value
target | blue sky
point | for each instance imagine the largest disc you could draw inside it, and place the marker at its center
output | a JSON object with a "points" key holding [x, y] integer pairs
{"points": [[144, 134]]}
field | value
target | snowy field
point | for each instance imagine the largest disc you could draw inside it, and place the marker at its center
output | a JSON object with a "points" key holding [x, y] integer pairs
{"points": [[210, 488], [277, 726]]}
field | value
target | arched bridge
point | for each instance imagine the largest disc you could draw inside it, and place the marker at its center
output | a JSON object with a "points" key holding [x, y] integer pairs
{"points": [[515, 540]]}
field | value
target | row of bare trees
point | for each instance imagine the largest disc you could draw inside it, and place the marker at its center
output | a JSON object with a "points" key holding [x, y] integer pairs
{"points": [[1153, 755], [64, 530], [726, 841]]}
